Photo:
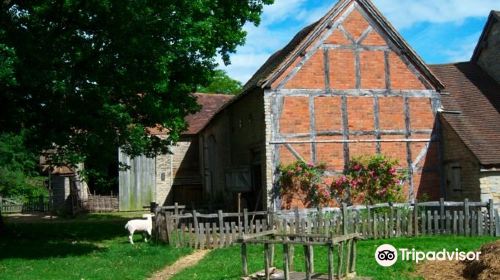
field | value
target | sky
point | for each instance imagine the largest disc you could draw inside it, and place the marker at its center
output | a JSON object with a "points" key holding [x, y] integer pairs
{"points": [[440, 31]]}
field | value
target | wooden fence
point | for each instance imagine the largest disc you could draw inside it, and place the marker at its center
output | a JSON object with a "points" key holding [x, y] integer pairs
{"points": [[101, 203], [378, 221], [30, 205]]}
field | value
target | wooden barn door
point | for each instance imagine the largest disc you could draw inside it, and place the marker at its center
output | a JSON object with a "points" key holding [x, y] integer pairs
{"points": [[137, 184]]}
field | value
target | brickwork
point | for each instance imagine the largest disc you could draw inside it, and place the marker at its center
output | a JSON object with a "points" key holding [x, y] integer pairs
{"points": [[373, 70], [327, 112], [349, 121], [342, 69], [391, 113]]}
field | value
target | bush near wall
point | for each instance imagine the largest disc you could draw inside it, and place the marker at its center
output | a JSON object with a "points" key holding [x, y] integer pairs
{"points": [[367, 180]]}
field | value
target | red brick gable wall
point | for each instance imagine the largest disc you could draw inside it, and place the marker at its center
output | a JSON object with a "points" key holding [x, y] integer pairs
{"points": [[351, 94]]}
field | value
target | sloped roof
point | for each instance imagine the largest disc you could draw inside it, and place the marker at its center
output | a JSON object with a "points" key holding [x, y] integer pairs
{"points": [[476, 98], [494, 17], [210, 104], [282, 59]]}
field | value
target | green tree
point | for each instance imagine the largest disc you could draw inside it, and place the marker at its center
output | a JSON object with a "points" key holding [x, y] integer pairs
{"points": [[86, 76], [19, 175], [220, 82]]}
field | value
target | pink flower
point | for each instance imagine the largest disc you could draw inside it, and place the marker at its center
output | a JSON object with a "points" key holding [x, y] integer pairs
{"points": [[310, 164], [356, 167]]}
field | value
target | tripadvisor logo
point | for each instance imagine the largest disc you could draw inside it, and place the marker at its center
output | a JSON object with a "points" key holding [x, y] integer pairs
{"points": [[387, 255]]}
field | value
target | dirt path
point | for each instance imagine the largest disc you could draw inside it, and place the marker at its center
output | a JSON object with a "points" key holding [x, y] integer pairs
{"points": [[179, 265]]}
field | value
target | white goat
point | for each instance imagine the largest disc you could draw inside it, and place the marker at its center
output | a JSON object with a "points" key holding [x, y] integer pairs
{"points": [[144, 226]]}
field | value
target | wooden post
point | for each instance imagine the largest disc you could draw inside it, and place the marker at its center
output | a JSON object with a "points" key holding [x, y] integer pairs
{"points": [[348, 259], [221, 228], [244, 258], [491, 216], [353, 256], [239, 209], [345, 219], [479, 223], [196, 229], [340, 260], [286, 261], [330, 261], [391, 227], [307, 259], [245, 220], [497, 224], [398, 222], [297, 220], [267, 261], [311, 256], [441, 216], [467, 217], [415, 218]]}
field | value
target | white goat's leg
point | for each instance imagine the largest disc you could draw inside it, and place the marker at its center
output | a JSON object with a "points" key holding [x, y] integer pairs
{"points": [[131, 237]]}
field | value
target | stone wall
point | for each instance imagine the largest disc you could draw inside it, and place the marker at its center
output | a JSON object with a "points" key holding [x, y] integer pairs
{"points": [[489, 58], [177, 170], [490, 186], [456, 153]]}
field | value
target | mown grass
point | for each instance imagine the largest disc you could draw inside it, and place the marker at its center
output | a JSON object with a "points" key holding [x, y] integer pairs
{"points": [[88, 247], [226, 263]]}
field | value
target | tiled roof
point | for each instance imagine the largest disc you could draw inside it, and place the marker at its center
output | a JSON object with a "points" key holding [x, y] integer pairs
{"points": [[278, 57], [210, 105], [476, 96]]}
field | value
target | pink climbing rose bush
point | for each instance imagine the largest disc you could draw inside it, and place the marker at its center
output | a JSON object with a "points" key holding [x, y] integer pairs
{"points": [[370, 180], [304, 181], [367, 180]]}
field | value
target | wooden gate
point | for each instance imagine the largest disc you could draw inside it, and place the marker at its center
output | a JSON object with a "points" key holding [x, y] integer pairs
{"points": [[137, 183]]}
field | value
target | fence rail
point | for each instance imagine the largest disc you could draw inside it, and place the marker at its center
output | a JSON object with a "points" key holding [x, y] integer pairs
{"points": [[221, 229], [101, 203], [31, 205]]}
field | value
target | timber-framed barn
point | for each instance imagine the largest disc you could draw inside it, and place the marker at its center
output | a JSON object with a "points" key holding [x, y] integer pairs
{"points": [[347, 85]]}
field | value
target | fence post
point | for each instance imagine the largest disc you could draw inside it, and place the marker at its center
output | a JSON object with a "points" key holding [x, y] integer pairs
{"points": [[221, 229], [492, 224], [297, 219], [245, 220], [497, 223], [344, 218], [196, 230], [270, 219], [415, 217], [441, 216], [467, 217], [244, 258]]}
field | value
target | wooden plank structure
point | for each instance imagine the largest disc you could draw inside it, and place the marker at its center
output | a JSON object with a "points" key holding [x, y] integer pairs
{"points": [[345, 259], [221, 229], [30, 205]]}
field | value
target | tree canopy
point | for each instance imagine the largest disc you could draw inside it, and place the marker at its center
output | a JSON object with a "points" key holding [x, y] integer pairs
{"points": [[85, 76], [220, 82]]}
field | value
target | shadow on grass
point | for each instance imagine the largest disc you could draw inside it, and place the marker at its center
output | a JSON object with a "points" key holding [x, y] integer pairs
{"points": [[29, 249], [40, 239]]}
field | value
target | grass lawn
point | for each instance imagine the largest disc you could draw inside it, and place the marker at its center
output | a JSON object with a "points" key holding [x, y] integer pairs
{"points": [[88, 247], [226, 263]]}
